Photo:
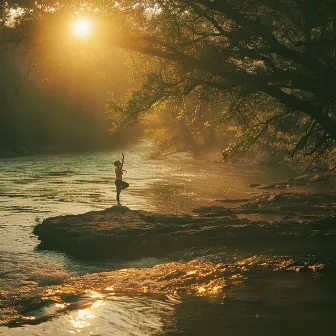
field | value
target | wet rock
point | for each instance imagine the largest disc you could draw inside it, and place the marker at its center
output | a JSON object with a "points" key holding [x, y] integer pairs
{"points": [[328, 179], [299, 203], [121, 233], [268, 186], [233, 201], [213, 211], [281, 186], [127, 234]]}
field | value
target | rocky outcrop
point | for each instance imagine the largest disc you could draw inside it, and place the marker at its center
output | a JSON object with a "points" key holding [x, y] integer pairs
{"points": [[121, 233], [317, 179], [302, 205]]}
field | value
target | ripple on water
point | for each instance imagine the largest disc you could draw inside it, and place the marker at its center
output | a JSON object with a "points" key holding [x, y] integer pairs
{"points": [[32, 303], [60, 173], [24, 181]]}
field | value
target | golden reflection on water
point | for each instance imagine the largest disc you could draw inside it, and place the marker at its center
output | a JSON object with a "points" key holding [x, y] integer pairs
{"points": [[175, 279], [83, 317], [197, 277]]}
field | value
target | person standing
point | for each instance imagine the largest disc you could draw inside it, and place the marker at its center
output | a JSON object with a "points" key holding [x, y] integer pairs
{"points": [[120, 184]]}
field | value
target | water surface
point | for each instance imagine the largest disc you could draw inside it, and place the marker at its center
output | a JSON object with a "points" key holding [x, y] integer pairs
{"points": [[194, 292]]}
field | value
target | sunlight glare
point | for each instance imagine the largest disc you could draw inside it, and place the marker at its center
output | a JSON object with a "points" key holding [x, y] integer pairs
{"points": [[82, 28]]}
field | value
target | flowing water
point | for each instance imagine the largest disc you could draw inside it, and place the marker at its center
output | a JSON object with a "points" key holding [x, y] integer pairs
{"points": [[214, 291]]}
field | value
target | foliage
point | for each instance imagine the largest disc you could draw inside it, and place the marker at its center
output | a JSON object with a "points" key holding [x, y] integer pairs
{"points": [[266, 67]]}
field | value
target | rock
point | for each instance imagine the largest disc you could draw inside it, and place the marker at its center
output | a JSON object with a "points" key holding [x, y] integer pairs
{"points": [[288, 217], [121, 233], [214, 210], [281, 186], [268, 186], [303, 205], [235, 200], [321, 178]]}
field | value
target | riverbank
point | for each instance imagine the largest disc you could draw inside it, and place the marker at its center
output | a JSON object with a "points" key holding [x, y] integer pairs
{"points": [[268, 220]]}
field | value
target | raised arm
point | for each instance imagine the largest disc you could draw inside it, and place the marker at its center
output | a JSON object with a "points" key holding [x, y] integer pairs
{"points": [[122, 161]]}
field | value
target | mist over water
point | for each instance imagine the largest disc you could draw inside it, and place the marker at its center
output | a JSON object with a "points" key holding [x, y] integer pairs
{"points": [[196, 292]]}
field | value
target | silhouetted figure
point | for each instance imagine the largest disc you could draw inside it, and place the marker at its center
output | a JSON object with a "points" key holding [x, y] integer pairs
{"points": [[120, 184]]}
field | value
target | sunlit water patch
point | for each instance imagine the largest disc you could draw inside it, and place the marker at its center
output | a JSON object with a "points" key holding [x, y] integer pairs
{"points": [[143, 301]]}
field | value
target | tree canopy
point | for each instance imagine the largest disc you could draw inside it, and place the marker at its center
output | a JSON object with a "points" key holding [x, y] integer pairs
{"points": [[265, 67]]}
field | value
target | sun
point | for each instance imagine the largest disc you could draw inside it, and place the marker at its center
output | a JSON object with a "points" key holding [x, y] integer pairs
{"points": [[82, 28]]}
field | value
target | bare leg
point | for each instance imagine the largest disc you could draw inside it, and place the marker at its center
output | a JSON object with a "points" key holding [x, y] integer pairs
{"points": [[118, 194], [124, 185]]}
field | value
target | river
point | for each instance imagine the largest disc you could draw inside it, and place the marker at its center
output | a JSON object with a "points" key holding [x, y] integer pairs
{"points": [[48, 293]]}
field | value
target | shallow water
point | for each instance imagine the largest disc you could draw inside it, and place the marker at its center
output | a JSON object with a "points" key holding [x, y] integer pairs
{"points": [[194, 292]]}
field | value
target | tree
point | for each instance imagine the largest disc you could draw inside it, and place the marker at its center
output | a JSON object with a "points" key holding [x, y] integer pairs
{"points": [[270, 63], [266, 66]]}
